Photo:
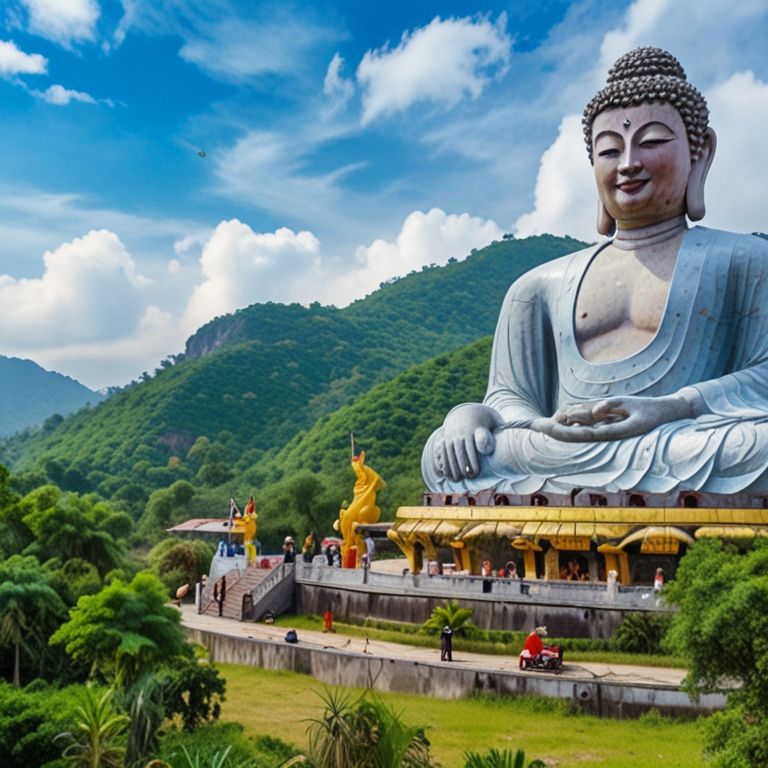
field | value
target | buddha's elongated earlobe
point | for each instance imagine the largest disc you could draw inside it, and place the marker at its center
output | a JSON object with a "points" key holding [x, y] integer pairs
{"points": [[694, 194], [606, 224]]}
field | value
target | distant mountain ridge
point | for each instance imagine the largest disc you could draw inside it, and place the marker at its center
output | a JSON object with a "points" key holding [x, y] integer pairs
{"points": [[29, 394], [249, 382]]}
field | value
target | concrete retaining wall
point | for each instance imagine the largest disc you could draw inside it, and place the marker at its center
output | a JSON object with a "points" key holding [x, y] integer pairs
{"points": [[449, 682], [512, 613]]}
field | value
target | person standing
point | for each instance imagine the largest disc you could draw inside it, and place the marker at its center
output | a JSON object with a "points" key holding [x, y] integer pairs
{"points": [[289, 550], [658, 580], [308, 548], [370, 547], [446, 644], [220, 593]]}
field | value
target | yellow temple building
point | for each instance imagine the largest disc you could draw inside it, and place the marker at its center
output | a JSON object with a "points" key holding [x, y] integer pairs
{"points": [[631, 534]]}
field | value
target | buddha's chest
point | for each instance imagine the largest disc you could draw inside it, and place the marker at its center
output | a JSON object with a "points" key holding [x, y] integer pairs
{"points": [[619, 307]]}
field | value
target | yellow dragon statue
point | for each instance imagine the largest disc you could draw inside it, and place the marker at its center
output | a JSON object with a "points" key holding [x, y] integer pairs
{"points": [[363, 508]]}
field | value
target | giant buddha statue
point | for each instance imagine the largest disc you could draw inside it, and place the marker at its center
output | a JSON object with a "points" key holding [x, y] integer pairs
{"points": [[640, 363]]}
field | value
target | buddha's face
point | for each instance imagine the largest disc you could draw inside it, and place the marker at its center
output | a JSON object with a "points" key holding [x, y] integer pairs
{"points": [[642, 163]]}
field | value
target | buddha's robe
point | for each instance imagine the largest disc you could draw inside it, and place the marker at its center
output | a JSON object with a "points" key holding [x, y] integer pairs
{"points": [[713, 337]]}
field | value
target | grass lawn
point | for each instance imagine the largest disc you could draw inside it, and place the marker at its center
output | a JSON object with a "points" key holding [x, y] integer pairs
{"points": [[280, 703]]}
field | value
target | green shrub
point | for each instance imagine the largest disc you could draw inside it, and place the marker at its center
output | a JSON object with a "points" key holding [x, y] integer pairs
{"points": [[30, 720], [641, 633], [205, 742]]}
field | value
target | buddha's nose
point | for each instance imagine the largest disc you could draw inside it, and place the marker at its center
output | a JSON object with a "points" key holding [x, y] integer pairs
{"points": [[629, 162]]}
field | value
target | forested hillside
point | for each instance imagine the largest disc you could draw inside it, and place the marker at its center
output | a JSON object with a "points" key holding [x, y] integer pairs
{"points": [[250, 382], [29, 394]]}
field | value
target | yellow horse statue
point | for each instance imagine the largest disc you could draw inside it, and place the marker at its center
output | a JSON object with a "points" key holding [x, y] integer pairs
{"points": [[363, 508]]}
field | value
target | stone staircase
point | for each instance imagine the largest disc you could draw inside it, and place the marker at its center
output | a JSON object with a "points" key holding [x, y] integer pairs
{"points": [[249, 579]]}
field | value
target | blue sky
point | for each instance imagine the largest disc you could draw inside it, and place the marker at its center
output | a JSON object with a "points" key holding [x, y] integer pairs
{"points": [[168, 162]]}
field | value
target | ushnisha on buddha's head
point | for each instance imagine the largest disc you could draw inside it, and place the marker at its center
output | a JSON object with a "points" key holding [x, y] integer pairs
{"points": [[648, 138]]}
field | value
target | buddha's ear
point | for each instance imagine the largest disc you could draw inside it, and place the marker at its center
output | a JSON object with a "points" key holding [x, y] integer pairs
{"points": [[606, 224], [694, 194]]}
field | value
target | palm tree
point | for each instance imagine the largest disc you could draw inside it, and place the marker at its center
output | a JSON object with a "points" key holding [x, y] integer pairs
{"points": [[100, 733], [452, 615], [498, 759], [19, 605]]}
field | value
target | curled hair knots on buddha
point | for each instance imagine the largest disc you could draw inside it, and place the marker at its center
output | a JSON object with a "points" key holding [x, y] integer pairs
{"points": [[651, 74]]}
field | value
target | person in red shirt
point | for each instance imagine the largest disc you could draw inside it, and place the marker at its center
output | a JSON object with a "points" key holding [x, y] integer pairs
{"points": [[533, 646]]}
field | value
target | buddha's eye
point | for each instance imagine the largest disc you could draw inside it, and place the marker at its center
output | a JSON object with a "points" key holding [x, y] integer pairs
{"points": [[650, 143], [608, 153]]}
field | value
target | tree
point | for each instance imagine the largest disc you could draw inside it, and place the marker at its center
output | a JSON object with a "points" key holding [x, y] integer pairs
{"points": [[124, 630], [453, 615], [30, 720], [177, 562], [67, 526], [192, 690], [98, 741], [27, 607], [721, 630], [165, 506]]}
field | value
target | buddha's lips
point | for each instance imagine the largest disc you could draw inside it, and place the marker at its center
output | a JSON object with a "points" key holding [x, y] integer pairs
{"points": [[632, 186]]}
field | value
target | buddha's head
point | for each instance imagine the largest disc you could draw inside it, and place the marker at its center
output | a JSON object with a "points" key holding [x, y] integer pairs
{"points": [[649, 142]]}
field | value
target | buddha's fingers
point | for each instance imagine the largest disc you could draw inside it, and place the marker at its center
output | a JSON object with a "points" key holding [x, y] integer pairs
{"points": [[466, 455], [452, 463], [609, 410]]}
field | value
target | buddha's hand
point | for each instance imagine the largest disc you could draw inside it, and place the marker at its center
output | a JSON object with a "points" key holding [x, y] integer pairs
{"points": [[467, 432], [613, 419]]}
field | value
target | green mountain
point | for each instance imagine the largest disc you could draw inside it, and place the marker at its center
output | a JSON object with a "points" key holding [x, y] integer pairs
{"points": [[250, 381], [30, 394], [391, 423]]}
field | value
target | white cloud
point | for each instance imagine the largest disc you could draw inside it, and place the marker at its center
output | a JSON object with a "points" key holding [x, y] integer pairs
{"points": [[236, 48], [110, 362], [736, 185], [14, 61], [89, 291], [424, 238], [63, 21], [61, 96], [240, 267], [336, 87], [441, 63], [271, 172], [565, 197]]}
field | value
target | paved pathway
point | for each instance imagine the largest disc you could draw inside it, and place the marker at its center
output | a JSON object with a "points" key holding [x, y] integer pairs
{"points": [[620, 673]]}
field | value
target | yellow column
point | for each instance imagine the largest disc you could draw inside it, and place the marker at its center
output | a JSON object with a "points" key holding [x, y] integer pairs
{"points": [[624, 574], [529, 560], [552, 563], [611, 563], [616, 559]]}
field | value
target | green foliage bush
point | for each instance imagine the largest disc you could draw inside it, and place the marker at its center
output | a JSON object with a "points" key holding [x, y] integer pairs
{"points": [[176, 562], [721, 630], [30, 720], [193, 690], [451, 614], [496, 758], [124, 630], [641, 632], [209, 740]]}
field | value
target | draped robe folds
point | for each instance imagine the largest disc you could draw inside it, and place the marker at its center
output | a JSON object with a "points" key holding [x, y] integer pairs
{"points": [[713, 337]]}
